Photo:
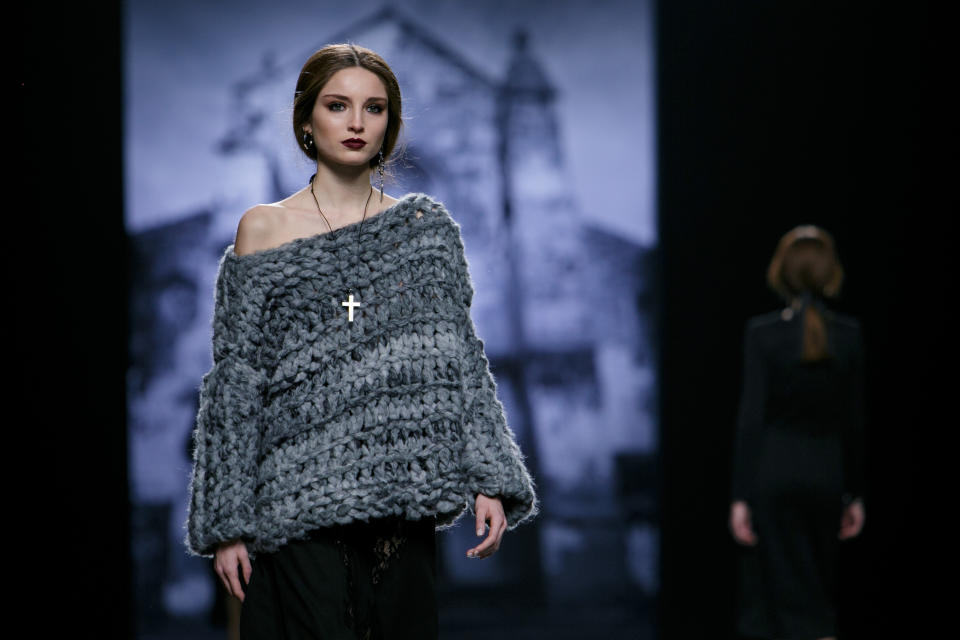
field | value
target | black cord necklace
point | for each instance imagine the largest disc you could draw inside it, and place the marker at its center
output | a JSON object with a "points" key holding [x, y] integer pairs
{"points": [[349, 302]]}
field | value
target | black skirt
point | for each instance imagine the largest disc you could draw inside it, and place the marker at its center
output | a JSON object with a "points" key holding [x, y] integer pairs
{"points": [[788, 581], [361, 581]]}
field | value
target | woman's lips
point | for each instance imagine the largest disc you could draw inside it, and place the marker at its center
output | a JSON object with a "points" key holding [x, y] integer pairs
{"points": [[354, 144]]}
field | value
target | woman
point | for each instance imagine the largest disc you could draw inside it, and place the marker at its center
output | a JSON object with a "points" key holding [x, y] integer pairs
{"points": [[350, 411], [798, 476]]}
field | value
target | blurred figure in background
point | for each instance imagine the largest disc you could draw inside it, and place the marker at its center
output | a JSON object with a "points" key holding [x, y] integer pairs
{"points": [[798, 472]]}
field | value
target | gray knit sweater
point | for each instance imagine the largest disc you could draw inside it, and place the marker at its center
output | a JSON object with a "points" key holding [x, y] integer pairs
{"points": [[308, 420]]}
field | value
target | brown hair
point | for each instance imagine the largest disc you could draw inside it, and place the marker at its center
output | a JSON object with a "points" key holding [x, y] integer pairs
{"points": [[806, 262], [318, 70]]}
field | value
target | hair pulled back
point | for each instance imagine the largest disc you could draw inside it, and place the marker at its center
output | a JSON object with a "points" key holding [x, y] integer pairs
{"points": [[318, 70], [806, 264]]}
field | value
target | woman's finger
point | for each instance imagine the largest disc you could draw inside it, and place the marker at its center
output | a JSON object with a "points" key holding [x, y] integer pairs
{"points": [[744, 534], [740, 534], [479, 551], [223, 578], [227, 581], [245, 564], [492, 541], [228, 573], [234, 576], [484, 549], [481, 520], [496, 532]]}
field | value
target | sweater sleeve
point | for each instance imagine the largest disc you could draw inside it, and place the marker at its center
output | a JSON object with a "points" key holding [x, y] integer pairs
{"points": [[749, 418], [491, 462], [226, 436]]}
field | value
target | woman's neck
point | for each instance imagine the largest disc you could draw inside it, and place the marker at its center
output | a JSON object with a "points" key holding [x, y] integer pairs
{"points": [[341, 188], [796, 302]]}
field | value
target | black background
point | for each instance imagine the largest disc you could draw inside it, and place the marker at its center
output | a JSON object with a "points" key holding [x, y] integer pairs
{"points": [[770, 115], [774, 114]]}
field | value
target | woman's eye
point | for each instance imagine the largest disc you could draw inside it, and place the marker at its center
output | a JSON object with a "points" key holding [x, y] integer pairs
{"points": [[339, 106]]}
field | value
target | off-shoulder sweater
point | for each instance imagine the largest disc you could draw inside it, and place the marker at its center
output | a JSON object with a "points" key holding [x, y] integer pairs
{"points": [[308, 420]]}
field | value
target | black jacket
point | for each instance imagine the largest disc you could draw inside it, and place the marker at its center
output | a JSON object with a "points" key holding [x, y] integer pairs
{"points": [[816, 398]]}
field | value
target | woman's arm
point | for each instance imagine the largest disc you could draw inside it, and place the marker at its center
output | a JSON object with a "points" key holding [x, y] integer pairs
{"points": [[854, 435], [491, 462], [226, 437], [750, 417], [749, 432], [854, 480]]}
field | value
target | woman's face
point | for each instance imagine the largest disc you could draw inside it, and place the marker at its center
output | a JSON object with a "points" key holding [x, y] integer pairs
{"points": [[351, 106]]}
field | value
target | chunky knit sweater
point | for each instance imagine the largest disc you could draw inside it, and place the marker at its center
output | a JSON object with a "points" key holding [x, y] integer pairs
{"points": [[308, 420]]}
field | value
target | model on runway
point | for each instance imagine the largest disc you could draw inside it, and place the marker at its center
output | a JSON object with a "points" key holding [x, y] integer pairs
{"points": [[350, 411], [798, 480]]}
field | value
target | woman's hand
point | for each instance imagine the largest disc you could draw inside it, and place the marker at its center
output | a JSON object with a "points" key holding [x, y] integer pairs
{"points": [[488, 509], [740, 524], [227, 557], [851, 521]]}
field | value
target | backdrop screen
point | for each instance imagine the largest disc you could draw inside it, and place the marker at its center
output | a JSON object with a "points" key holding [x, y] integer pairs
{"points": [[542, 109]]}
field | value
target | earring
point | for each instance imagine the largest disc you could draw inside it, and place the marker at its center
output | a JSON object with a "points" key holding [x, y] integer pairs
{"points": [[307, 140], [380, 171]]}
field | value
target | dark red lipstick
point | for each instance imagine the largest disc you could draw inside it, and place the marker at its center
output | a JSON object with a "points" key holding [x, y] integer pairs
{"points": [[354, 143]]}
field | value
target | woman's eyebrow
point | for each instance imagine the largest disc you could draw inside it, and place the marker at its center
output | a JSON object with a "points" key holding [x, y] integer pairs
{"points": [[337, 95]]}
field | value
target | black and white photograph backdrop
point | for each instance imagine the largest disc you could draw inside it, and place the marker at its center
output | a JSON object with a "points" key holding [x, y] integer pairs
{"points": [[621, 172], [534, 123]]}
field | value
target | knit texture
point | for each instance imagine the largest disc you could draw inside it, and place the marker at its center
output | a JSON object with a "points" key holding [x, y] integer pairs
{"points": [[308, 420]]}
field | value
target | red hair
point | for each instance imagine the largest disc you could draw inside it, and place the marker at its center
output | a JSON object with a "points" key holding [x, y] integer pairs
{"points": [[806, 263], [321, 66]]}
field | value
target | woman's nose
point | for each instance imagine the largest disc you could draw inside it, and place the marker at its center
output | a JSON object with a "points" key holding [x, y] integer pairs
{"points": [[357, 122]]}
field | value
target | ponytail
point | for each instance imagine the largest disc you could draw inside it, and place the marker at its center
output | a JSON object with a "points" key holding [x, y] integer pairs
{"points": [[805, 268], [814, 335]]}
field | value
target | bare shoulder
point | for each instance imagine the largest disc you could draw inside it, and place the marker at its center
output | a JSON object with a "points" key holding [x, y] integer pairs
{"points": [[256, 227]]}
